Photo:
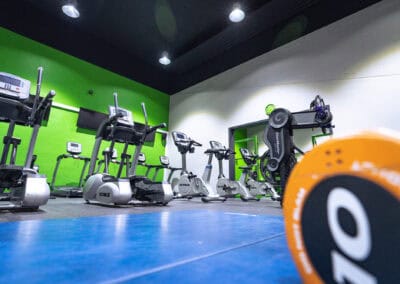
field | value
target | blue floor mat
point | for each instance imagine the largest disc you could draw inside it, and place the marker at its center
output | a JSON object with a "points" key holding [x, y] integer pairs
{"points": [[181, 246]]}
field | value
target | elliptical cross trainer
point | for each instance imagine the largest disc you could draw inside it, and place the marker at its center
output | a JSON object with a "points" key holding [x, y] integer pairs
{"points": [[27, 188], [145, 189], [103, 187]]}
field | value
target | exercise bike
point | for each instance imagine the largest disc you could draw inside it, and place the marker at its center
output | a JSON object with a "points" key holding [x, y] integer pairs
{"points": [[277, 163], [225, 186], [249, 177], [189, 185], [27, 188]]}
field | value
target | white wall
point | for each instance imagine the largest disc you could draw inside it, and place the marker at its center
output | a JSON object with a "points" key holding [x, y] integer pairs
{"points": [[354, 64]]}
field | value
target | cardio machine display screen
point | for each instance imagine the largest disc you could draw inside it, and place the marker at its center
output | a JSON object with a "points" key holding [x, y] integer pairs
{"points": [[180, 136], [123, 112], [10, 80], [126, 115], [216, 145], [304, 117]]}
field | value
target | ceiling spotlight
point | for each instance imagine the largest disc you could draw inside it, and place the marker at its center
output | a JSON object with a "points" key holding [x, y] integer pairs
{"points": [[70, 11], [237, 15], [164, 60]]}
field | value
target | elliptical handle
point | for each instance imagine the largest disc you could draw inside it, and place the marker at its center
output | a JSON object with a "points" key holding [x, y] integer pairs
{"points": [[115, 94], [154, 128], [146, 119], [39, 80], [118, 114], [50, 95], [37, 95], [46, 100]]}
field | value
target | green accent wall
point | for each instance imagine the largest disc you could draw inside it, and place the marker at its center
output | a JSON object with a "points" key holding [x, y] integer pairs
{"points": [[72, 78]]}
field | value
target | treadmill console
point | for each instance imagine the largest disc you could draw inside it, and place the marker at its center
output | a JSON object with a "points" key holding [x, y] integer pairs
{"points": [[74, 148], [126, 118], [141, 158], [164, 160], [14, 87], [114, 154]]}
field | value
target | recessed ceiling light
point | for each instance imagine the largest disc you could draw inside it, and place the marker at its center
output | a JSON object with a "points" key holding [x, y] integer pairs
{"points": [[70, 11], [237, 15], [164, 60]]}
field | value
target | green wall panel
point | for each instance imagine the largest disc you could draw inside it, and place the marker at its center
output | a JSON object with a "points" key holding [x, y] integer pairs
{"points": [[72, 78]]}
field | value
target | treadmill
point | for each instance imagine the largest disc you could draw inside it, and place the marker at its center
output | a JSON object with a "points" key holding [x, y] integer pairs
{"points": [[74, 150]]}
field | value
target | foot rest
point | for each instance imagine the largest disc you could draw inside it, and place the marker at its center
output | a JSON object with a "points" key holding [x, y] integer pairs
{"points": [[137, 178], [191, 176], [229, 188]]}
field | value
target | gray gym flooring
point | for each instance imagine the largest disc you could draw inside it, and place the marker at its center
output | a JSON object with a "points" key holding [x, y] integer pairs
{"points": [[76, 207]]}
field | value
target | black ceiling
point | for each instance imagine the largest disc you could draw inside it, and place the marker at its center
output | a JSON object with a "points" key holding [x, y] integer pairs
{"points": [[128, 36]]}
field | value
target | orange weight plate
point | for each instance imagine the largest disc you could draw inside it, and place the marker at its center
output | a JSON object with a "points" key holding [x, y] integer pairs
{"points": [[342, 211]]}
